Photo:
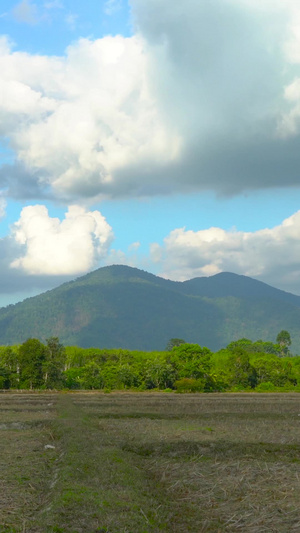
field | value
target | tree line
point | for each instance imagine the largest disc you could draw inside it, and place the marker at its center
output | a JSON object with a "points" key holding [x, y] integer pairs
{"points": [[183, 367]]}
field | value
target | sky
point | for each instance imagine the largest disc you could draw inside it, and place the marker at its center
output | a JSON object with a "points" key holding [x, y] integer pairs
{"points": [[158, 134]]}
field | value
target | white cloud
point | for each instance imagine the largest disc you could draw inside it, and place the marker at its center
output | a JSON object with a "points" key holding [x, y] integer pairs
{"points": [[134, 246], [53, 247], [84, 118], [26, 12], [204, 96], [271, 255]]}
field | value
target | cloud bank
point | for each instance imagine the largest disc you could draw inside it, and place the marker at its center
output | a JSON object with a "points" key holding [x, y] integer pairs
{"points": [[203, 96], [270, 255], [76, 123]]}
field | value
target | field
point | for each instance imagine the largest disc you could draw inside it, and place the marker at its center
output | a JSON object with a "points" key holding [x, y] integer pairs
{"points": [[149, 462]]}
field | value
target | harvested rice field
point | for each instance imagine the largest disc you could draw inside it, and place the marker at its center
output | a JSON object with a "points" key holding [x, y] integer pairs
{"points": [[149, 462]]}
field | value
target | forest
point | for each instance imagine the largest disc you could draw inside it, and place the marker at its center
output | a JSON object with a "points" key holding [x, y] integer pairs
{"points": [[243, 365]]}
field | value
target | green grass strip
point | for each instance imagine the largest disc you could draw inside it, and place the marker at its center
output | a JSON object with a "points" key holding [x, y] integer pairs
{"points": [[98, 487]]}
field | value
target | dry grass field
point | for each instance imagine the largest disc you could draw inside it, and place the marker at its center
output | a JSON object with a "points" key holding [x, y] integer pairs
{"points": [[139, 463]]}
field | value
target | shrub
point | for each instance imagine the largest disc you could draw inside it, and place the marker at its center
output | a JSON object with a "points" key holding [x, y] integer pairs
{"points": [[266, 386], [189, 385]]}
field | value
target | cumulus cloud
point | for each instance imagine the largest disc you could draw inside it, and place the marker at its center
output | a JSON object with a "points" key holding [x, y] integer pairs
{"points": [[42, 252], [271, 255], [16, 284], [53, 247], [80, 120], [205, 95]]}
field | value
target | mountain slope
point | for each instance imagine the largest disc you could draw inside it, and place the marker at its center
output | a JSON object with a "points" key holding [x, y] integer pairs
{"points": [[228, 284], [125, 307]]}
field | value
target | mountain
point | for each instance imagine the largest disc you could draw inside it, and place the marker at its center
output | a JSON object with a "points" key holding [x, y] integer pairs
{"points": [[123, 307]]}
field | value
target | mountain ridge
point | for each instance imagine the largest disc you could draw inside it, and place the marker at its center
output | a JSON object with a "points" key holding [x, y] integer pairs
{"points": [[121, 306]]}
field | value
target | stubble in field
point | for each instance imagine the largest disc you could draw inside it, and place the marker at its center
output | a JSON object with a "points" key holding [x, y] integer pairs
{"points": [[129, 462]]}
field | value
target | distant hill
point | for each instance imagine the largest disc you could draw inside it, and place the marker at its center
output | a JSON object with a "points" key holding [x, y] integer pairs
{"points": [[120, 306]]}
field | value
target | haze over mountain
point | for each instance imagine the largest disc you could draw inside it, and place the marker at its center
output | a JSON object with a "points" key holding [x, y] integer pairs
{"points": [[120, 306]]}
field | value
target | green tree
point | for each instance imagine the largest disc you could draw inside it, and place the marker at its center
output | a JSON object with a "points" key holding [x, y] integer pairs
{"points": [[54, 363], [233, 369], [242, 372], [9, 359], [173, 343], [128, 377], [192, 361], [159, 374], [244, 344], [72, 378], [75, 357], [32, 357], [91, 377], [4, 378], [284, 340], [252, 347], [110, 374], [270, 368]]}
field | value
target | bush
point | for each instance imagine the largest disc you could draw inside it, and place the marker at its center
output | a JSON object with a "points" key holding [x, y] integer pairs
{"points": [[266, 386], [189, 385]]}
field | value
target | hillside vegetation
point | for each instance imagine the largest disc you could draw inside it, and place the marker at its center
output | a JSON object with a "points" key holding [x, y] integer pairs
{"points": [[120, 306]]}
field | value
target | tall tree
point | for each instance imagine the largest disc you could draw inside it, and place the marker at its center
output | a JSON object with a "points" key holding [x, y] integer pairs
{"points": [[9, 359], [192, 360], [284, 340], [32, 357], [54, 363]]}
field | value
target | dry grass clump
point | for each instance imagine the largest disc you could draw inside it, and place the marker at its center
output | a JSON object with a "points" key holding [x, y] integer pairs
{"points": [[226, 462]]}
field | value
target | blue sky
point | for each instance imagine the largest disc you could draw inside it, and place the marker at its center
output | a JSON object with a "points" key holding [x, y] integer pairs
{"points": [[48, 27], [164, 136]]}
